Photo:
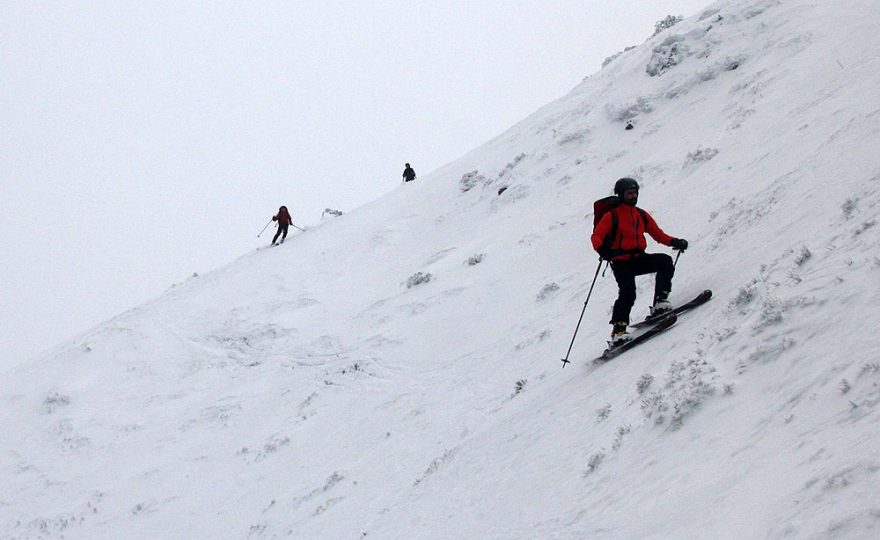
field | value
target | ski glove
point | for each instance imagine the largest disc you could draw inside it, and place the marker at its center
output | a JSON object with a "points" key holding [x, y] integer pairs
{"points": [[604, 252], [679, 243]]}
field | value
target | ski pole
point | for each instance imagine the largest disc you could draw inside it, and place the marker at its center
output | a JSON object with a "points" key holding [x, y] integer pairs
{"points": [[565, 360], [264, 228], [676, 258], [303, 230]]}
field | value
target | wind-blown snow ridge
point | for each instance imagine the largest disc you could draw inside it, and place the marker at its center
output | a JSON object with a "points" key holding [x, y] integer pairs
{"points": [[394, 372]]}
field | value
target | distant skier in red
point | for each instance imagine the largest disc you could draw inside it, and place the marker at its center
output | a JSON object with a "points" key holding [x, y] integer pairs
{"points": [[619, 237], [284, 221]]}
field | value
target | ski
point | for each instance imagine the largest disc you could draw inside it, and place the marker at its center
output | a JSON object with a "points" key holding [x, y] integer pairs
{"points": [[700, 299], [661, 324]]}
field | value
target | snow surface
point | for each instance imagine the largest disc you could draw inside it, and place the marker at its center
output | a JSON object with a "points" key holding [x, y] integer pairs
{"points": [[395, 372]]}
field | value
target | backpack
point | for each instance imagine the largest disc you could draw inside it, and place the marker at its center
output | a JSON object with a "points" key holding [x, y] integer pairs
{"points": [[602, 207]]}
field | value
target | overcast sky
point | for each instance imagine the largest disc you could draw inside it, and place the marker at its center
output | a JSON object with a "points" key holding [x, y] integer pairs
{"points": [[143, 141]]}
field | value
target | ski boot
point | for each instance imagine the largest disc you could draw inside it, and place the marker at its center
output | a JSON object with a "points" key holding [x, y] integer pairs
{"points": [[619, 335], [661, 305]]}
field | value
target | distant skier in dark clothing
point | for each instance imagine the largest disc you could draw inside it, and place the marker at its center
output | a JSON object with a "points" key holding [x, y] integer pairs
{"points": [[409, 174], [284, 221], [626, 251]]}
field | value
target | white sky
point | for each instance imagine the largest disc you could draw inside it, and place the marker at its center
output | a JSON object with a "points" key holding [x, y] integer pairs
{"points": [[142, 142]]}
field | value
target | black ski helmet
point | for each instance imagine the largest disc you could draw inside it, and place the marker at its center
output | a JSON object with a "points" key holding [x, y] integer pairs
{"points": [[624, 184]]}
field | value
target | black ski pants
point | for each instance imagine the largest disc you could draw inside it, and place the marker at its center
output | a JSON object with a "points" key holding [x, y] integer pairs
{"points": [[625, 273], [282, 231]]}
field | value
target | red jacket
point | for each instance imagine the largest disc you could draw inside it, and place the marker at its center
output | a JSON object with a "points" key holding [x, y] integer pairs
{"points": [[631, 229], [283, 216]]}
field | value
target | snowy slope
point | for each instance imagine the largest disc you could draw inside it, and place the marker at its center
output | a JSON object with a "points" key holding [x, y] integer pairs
{"points": [[308, 391]]}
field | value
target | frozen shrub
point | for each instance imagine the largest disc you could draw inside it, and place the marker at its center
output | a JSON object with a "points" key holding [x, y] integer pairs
{"points": [[865, 226], [509, 167], [55, 400], [769, 353], [618, 437], [547, 291], [512, 194], [654, 404], [575, 136], [668, 22], [470, 180], [644, 382], [475, 259], [666, 55], [603, 413], [871, 367], [435, 465], [611, 58], [771, 313], [688, 384], [352, 368], [275, 443], [803, 256], [627, 112], [331, 212], [593, 462], [417, 279], [730, 64], [849, 207], [708, 13], [519, 386], [700, 155], [745, 296]]}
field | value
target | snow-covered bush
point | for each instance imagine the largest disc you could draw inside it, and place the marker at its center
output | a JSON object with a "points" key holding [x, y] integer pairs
{"points": [[512, 194], [803, 256], [331, 212], [699, 156], [548, 290], [628, 111], [611, 58], [849, 207], [871, 367], [668, 22], [688, 384], [644, 382], [519, 386], [603, 413], [708, 13], [470, 180], [417, 279], [574, 136], [593, 462], [666, 55], [55, 400], [509, 167], [618, 437], [745, 295], [475, 259], [771, 313]]}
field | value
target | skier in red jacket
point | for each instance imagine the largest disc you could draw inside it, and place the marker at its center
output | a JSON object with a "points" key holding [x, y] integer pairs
{"points": [[284, 221], [626, 251]]}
